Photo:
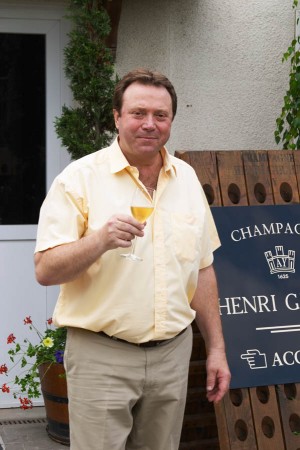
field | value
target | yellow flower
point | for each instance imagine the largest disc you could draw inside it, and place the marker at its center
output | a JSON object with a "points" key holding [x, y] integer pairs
{"points": [[48, 342]]}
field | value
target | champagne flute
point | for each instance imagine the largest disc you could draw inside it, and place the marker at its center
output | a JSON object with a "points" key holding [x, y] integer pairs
{"points": [[142, 206]]}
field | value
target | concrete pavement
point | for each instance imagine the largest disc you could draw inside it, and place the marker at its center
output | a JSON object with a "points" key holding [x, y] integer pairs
{"points": [[26, 430]]}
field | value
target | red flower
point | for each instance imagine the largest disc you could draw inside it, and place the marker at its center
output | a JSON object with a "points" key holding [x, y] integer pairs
{"points": [[5, 388], [3, 369], [25, 403], [11, 339], [27, 320], [49, 321]]}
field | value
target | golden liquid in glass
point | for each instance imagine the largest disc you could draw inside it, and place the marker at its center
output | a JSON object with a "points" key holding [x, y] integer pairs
{"points": [[141, 213]]}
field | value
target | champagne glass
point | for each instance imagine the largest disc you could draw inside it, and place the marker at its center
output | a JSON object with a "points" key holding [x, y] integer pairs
{"points": [[141, 207]]}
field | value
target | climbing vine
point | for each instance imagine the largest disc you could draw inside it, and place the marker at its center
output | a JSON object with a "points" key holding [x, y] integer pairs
{"points": [[288, 123]]}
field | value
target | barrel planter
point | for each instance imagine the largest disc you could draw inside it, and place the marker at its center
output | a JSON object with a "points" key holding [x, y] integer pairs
{"points": [[54, 390]]}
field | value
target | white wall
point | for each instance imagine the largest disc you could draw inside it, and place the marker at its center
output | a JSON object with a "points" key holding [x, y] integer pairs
{"points": [[224, 58]]}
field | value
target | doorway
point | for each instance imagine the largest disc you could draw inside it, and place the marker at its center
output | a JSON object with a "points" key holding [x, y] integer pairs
{"points": [[32, 92]]}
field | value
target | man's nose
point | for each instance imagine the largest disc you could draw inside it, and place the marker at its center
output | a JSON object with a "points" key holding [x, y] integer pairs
{"points": [[149, 122]]}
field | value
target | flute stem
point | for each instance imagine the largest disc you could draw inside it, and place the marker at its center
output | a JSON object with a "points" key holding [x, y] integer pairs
{"points": [[133, 243]]}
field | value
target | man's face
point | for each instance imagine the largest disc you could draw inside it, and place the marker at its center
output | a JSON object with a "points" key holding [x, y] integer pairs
{"points": [[145, 121]]}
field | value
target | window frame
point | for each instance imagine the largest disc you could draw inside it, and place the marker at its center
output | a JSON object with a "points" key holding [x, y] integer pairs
{"points": [[52, 29]]}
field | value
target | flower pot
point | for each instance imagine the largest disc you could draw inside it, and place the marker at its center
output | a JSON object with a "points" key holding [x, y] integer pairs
{"points": [[54, 390]]}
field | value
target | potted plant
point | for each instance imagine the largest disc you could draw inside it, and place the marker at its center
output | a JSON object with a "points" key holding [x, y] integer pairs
{"points": [[41, 373], [89, 66]]}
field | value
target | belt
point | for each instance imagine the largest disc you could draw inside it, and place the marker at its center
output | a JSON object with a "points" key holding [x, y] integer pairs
{"points": [[147, 344]]}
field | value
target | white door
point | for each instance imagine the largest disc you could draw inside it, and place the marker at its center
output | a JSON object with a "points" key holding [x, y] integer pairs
{"points": [[32, 91]]}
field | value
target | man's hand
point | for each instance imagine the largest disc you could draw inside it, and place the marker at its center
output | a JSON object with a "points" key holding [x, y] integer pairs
{"points": [[119, 231], [218, 375]]}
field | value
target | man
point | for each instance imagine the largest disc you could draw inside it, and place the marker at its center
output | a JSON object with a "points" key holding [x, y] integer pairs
{"points": [[129, 334]]}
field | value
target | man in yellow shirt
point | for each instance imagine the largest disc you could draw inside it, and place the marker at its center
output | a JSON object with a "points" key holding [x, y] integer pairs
{"points": [[129, 334]]}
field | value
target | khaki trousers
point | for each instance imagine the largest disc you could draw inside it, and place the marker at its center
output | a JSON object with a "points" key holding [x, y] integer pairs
{"points": [[124, 397]]}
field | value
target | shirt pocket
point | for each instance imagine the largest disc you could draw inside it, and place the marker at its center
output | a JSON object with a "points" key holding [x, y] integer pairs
{"points": [[186, 234]]}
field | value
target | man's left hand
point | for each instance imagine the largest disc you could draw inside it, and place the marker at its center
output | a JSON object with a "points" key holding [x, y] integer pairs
{"points": [[218, 375]]}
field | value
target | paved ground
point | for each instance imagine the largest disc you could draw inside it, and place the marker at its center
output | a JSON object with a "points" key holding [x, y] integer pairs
{"points": [[25, 430]]}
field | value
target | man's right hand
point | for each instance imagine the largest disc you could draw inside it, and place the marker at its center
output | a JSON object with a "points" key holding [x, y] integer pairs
{"points": [[120, 230]]}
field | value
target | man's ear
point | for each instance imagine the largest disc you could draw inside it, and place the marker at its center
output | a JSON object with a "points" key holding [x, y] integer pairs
{"points": [[116, 117]]}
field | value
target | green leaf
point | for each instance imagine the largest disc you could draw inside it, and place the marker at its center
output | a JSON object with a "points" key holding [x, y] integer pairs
{"points": [[289, 118], [23, 362], [296, 123]]}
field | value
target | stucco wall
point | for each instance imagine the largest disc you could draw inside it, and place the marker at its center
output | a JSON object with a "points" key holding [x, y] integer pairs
{"points": [[224, 58]]}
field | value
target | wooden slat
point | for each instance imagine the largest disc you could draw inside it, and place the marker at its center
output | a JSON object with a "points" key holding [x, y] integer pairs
{"points": [[206, 444], [221, 417], [258, 179], [238, 418], [198, 352], [265, 411], [198, 430], [266, 418], [184, 155], [197, 402], [205, 165], [283, 177], [232, 180], [289, 401], [239, 421]]}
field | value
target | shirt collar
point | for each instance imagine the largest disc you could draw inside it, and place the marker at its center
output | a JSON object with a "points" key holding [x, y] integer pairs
{"points": [[168, 166], [118, 162]]}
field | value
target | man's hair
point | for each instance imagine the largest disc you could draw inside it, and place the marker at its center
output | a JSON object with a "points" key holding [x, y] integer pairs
{"points": [[148, 78]]}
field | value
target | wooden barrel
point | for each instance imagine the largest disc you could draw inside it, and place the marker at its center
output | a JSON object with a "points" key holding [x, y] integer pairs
{"points": [[54, 390]]}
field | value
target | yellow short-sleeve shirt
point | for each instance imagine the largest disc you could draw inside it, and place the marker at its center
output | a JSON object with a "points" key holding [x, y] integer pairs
{"points": [[132, 301]]}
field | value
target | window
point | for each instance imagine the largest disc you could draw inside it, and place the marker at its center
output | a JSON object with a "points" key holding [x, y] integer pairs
{"points": [[22, 127]]}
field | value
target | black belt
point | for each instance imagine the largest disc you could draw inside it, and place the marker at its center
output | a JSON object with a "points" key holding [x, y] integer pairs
{"points": [[142, 344]]}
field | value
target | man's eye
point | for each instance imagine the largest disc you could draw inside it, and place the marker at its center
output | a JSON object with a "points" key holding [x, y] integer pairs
{"points": [[161, 116]]}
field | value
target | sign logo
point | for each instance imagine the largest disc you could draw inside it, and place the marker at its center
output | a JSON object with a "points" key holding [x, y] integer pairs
{"points": [[281, 262]]}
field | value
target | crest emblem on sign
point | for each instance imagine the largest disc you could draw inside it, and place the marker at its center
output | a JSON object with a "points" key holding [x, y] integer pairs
{"points": [[281, 261]]}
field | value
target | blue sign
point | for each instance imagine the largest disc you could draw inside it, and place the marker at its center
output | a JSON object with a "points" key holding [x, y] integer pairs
{"points": [[258, 267]]}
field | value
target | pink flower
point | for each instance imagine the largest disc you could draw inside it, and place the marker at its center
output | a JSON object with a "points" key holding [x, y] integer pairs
{"points": [[11, 339], [25, 403], [5, 388], [3, 368], [27, 320]]}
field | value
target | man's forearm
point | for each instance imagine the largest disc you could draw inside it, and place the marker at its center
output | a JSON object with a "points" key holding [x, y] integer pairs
{"points": [[66, 262], [206, 305]]}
